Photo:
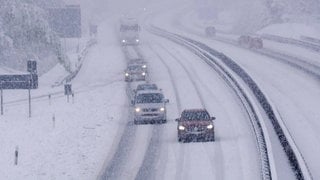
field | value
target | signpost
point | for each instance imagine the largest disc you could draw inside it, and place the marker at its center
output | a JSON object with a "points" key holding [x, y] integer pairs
{"points": [[16, 155], [20, 81], [67, 91], [1, 98]]}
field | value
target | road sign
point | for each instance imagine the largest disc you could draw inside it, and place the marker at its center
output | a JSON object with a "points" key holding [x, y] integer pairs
{"points": [[24, 81], [32, 67], [67, 89], [66, 21], [93, 29]]}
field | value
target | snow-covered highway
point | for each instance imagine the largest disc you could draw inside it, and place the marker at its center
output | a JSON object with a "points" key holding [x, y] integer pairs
{"points": [[265, 102]]}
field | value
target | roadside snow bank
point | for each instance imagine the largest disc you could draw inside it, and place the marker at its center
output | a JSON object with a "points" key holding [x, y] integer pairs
{"points": [[292, 30]]}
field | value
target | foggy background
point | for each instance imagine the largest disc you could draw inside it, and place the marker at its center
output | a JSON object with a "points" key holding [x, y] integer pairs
{"points": [[25, 33]]}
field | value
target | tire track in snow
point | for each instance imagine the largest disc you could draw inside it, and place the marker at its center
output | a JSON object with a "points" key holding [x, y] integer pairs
{"points": [[177, 100], [183, 170], [218, 155], [263, 145], [112, 170]]}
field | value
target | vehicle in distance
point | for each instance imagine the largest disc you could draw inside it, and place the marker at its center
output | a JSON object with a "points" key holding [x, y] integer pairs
{"points": [[149, 107], [250, 42], [135, 73], [129, 31], [195, 125], [138, 61], [210, 31], [257, 42]]}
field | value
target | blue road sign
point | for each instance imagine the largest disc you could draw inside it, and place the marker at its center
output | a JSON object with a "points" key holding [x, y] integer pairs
{"points": [[21, 81]]}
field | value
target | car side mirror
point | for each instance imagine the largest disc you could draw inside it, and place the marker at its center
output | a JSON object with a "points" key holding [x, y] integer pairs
{"points": [[213, 118], [132, 102], [178, 119], [166, 101]]}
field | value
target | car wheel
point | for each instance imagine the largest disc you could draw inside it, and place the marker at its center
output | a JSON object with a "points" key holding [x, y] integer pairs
{"points": [[211, 138]]}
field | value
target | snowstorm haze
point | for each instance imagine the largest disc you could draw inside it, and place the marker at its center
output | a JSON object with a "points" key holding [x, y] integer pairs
{"points": [[98, 9], [159, 89], [246, 16]]}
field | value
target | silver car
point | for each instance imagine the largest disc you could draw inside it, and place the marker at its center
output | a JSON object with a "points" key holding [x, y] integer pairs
{"points": [[149, 107]]}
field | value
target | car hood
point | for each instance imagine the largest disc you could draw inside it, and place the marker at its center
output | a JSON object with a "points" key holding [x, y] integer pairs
{"points": [[195, 123], [135, 71], [150, 105]]}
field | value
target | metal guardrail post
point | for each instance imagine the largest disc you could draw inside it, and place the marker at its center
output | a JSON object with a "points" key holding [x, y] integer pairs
{"points": [[1, 97], [29, 94]]}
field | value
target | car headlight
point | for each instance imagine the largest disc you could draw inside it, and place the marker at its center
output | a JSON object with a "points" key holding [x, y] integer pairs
{"points": [[127, 74], [162, 109], [123, 41], [210, 126], [137, 40], [138, 109], [181, 128], [143, 74], [144, 66]]}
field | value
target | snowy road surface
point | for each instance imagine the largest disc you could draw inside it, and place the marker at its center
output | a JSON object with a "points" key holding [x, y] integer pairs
{"points": [[93, 136]]}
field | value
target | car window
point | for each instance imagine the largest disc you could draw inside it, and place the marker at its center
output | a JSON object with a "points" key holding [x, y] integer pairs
{"points": [[195, 115], [147, 87], [129, 28], [134, 68], [149, 98]]}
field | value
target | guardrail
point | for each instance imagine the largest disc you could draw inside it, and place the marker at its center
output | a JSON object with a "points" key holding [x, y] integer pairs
{"points": [[81, 58], [300, 43], [310, 39], [296, 160], [267, 172]]}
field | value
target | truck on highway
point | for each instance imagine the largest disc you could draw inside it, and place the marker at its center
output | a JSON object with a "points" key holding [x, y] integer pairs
{"points": [[129, 31]]}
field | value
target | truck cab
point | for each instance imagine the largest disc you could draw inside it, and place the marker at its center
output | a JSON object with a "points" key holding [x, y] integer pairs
{"points": [[129, 32]]}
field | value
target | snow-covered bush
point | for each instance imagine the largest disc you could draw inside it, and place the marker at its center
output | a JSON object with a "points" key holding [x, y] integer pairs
{"points": [[251, 15], [25, 27]]}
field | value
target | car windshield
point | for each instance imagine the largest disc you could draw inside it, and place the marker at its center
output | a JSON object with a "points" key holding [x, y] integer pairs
{"points": [[129, 27], [136, 60], [146, 87], [149, 98], [134, 68], [195, 115], [137, 63]]}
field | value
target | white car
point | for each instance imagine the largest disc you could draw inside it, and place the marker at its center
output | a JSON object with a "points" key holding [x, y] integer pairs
{"points": [[149, 107]]}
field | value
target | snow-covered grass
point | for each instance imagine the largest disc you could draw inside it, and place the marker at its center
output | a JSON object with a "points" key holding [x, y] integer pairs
{"points": [[63, 140], [66, 140]]}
